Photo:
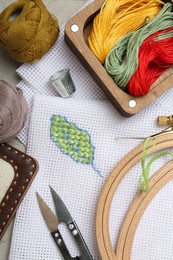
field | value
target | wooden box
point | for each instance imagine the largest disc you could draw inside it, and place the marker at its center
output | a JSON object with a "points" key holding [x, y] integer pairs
{"points": [[77, 30]]}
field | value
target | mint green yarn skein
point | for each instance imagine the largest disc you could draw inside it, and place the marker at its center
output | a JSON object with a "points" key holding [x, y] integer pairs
{"points": [[122, 61]]}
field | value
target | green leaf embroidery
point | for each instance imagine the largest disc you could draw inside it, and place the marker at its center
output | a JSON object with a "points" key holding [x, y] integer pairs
{"points": [[72, 140]]}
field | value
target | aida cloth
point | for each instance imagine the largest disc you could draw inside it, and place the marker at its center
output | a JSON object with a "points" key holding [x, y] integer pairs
{"points": [[79, 185]]}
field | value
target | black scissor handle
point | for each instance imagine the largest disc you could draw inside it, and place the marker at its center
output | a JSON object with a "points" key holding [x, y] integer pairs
{"points": [[61, 244], [85, 253]]}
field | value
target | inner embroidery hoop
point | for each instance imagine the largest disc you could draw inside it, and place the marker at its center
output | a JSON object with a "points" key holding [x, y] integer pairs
{"points": [[127, 233]]}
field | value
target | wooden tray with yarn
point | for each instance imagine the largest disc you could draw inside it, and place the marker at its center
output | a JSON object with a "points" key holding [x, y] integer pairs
{"points": [[77, 30]]}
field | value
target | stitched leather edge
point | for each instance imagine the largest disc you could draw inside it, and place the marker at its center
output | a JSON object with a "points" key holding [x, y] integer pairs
{"points": [[25, 169]]}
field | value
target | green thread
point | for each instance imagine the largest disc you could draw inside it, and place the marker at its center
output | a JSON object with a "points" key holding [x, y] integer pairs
{"points": [[72, 140], [122, 60], [144, 179], [163, 36]]}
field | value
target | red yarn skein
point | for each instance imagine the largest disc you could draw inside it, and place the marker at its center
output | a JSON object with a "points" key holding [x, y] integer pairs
{"points": [[154, 57]]}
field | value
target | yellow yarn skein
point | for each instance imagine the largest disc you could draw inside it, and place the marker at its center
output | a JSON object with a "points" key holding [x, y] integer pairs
{"points": [[116, 19], [31, 34]]}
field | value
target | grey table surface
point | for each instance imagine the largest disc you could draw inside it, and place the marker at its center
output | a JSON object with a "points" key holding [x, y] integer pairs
{"points": [[63, 10]]}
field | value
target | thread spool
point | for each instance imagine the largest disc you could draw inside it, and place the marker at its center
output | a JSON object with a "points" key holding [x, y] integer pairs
{"points": [[13, 111], [31, 34]]}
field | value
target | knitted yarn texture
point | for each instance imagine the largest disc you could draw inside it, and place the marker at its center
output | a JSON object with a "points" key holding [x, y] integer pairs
{"points": [[31, 34], [13, 111]]}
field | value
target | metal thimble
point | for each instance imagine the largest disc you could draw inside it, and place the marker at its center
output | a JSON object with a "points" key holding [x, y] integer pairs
{"points": [[63, 83]]}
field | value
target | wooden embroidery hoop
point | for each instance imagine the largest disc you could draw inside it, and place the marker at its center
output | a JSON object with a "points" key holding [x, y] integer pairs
{"points": [[163, 140]]}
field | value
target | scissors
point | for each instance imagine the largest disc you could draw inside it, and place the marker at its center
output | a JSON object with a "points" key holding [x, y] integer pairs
{"points": [[62, 215]]}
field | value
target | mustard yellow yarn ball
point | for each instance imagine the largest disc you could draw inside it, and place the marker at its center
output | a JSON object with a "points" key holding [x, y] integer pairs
{"points": [[31, 34]]}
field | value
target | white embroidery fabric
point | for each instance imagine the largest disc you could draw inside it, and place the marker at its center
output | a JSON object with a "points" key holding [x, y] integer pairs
{"points": [[80, 186]]}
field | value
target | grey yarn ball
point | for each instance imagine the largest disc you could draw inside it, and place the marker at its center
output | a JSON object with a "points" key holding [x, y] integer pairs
{"points": [[13, 111]]}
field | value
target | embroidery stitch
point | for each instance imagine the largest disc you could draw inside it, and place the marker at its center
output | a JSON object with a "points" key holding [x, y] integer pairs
{"points": [[72, 140]]}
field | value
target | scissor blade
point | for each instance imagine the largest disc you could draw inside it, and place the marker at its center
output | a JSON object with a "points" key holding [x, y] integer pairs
{"points": [[61, 210], [49, 217]]}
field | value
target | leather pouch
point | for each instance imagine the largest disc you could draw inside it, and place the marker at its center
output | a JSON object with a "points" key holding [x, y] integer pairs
{"points": [[25, 169]]}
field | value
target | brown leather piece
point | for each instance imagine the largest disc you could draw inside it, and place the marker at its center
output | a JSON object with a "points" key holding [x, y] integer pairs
{"points": [[25, 169]]}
